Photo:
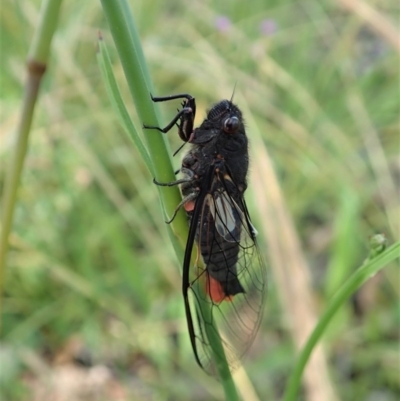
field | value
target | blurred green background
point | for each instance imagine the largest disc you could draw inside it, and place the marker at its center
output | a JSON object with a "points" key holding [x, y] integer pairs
{"points": [[92, 305]]}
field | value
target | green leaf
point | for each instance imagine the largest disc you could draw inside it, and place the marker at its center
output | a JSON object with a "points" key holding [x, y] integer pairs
{"points": [[118, 104], [370, 267], [128, 45]]}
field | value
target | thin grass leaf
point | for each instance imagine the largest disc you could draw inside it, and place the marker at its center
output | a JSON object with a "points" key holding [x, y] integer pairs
{"points": [[37, 62], [127, 42], [370, 267], [118, 104], [129, 48]]}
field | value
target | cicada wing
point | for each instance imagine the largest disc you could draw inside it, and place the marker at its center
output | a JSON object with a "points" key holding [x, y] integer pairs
{"points": [[227, 219], [229, 291]]}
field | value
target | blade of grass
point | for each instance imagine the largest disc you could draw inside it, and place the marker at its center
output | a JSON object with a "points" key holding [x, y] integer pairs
{"points": [[129, 48], [37, 61], [118, 104], [343, 256], [128, 45], [288, 264], [376, 20], [361, 275]]}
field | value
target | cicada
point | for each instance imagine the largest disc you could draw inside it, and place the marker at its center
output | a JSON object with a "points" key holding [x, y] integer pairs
{"points": [[224, 279]]}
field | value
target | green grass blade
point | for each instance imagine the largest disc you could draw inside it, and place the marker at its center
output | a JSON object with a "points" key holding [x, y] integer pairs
{"points": [[118, 104], [130, 52], [37, 61], [368, 269], [129, 48]]}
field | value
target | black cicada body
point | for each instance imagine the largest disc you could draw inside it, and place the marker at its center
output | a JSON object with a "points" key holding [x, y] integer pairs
{"points": [[232, 279]]}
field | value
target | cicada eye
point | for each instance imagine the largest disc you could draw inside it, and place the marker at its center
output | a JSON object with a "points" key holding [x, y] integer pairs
{"points": [[231, 125]]}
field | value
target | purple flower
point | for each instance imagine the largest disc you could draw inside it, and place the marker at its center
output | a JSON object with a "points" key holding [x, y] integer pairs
{"points": [[223, 23], [268, 27]]}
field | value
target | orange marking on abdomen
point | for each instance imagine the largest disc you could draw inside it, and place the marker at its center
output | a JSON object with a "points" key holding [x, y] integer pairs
{"points": [[189, 206], [215, 291]]}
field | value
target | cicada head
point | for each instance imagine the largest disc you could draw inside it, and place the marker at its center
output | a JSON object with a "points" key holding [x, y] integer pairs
{"points": [[227, 116]]}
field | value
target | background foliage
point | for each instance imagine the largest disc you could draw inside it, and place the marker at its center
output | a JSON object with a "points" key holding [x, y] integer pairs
{"points": [[92, 306]]}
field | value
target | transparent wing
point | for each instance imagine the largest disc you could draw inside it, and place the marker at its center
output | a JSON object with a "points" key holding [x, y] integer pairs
{"points": [[228, 292]]}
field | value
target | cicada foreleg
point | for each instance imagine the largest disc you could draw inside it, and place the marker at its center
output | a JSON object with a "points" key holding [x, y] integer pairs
{"points": [[185, 116]]}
